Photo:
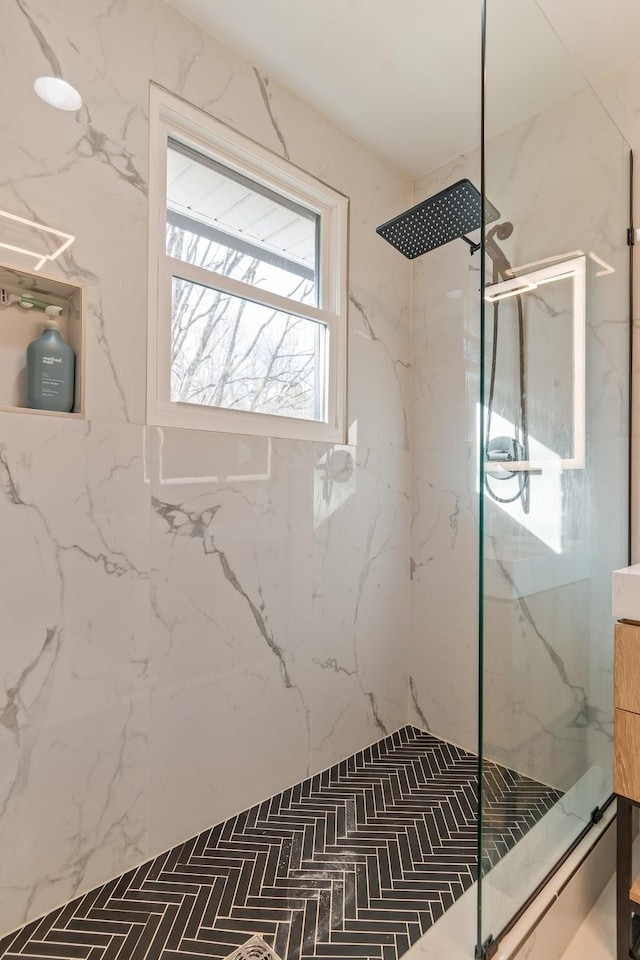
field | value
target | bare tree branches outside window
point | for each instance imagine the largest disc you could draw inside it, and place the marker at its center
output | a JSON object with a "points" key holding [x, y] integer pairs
{"points": [[232, 353]]}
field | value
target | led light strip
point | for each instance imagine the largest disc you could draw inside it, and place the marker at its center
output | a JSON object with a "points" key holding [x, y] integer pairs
{"points": [[41, 260]]}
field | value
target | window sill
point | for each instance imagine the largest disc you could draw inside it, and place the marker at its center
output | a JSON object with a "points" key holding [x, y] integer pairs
{"points": [[193, 417]]}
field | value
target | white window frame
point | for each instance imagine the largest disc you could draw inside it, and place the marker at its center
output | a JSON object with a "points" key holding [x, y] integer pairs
{"points": [[172, 117]]}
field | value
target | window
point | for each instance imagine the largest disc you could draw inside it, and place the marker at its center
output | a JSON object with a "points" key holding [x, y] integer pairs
{"points": [[247, 289]]}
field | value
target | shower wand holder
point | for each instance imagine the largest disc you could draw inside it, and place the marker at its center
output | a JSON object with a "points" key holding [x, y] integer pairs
{"points": [[27, 301], [499, 453]]}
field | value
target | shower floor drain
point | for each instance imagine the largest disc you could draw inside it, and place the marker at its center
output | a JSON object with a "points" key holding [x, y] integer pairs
{"points": [[254, 949]]}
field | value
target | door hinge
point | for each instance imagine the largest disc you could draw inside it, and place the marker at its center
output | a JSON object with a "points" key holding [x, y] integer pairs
{"points": [[631, 237], [487, 950], [596, 815]]}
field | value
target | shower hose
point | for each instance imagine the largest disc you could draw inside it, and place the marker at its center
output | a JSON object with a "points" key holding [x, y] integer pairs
{"points": [[520, 443]]}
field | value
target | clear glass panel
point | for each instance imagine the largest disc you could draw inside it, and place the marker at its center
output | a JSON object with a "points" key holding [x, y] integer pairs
{"points": [[224, 222], [554, 453], [231, 353]]}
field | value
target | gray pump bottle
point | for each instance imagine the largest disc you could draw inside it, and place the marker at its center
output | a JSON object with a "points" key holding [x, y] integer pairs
{"points": [[50, 369]]}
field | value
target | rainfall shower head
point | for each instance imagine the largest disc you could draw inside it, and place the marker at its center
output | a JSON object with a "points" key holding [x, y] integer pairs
{"points": [[446, 216]]}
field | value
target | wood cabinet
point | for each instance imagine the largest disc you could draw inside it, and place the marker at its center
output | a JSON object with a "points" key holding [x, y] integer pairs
{"points": [[626, 779], [626, 675], [626, 754]]}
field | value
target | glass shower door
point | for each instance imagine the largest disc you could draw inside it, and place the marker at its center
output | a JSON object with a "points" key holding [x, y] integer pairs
{"points": [[553, 453]]}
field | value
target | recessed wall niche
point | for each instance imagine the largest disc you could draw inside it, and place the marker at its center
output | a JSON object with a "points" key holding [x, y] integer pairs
{"points": [[19, 326]]}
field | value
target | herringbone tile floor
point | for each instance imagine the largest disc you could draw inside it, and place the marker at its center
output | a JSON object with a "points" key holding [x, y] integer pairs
{"points": [[358, 861]]}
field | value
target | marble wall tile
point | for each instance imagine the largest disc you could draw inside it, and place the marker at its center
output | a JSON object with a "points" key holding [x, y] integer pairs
{"points": [[231, 624], [75, 582], [231, 553], [444, 596], [619, 92], [537, 683], [74, 807], [360, 598], [73, 702], [250, 734], [444, 527]]}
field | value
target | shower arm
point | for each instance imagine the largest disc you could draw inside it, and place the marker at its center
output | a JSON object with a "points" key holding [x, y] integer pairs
{"points": [[501, 266], [474, 246]]}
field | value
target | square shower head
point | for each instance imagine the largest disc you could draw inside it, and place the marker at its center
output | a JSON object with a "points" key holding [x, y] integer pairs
{"points": [[446, 216]]}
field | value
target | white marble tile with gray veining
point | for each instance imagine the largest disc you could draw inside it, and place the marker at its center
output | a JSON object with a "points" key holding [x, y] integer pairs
{"points": [[360, 598], [231, 579], [73, 716], [73, 807]]}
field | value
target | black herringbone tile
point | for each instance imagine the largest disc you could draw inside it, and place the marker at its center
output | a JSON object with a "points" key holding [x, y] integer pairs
{"points": [[355, 862]]}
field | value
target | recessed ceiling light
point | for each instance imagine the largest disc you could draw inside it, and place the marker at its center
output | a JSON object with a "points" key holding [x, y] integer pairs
{"points": [[58, 93]]}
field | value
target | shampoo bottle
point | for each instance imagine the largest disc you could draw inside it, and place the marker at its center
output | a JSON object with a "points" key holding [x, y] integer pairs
{"points": [[50, 368]]}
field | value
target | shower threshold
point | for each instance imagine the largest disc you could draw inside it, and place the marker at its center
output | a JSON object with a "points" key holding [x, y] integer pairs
{"points": [[357, 861]]}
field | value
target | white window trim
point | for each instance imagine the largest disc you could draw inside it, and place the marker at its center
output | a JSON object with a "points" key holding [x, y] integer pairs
{"points": [[170, 116]]}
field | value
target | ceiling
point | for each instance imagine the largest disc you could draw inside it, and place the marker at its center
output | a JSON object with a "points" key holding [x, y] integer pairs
{"points": [[403, 78]]}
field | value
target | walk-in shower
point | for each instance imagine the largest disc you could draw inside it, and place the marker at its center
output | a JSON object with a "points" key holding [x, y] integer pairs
{"points": [[341, 693]]}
